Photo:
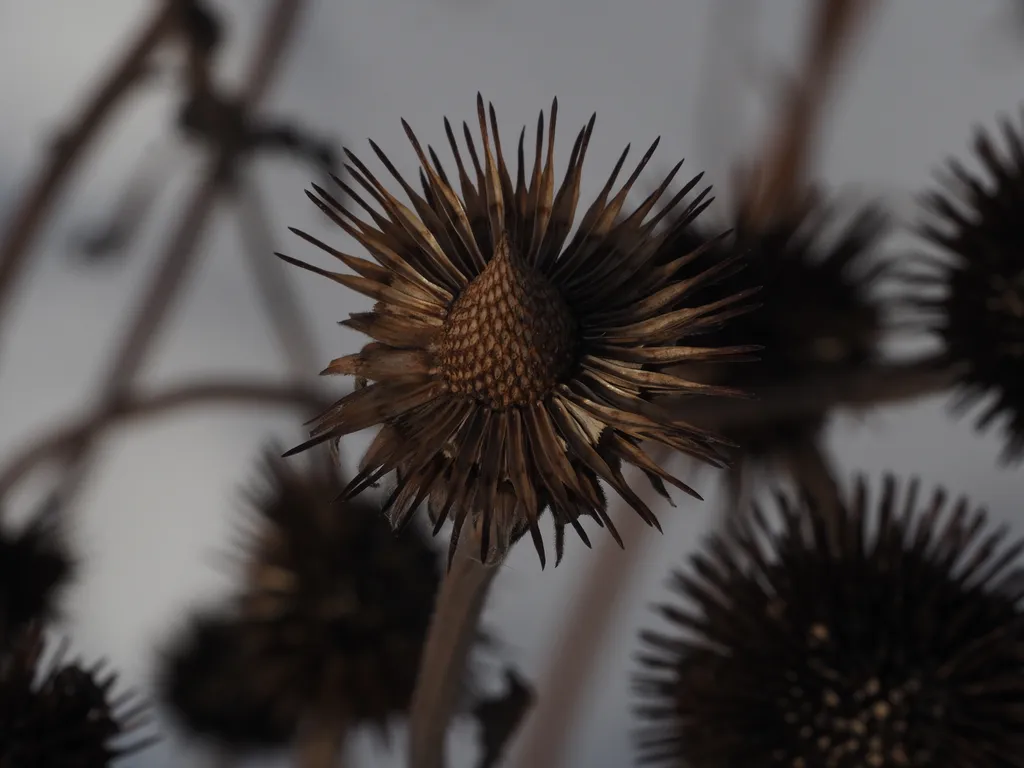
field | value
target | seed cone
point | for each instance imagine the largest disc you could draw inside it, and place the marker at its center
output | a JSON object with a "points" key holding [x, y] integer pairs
{"points": [[976, 225], [66, 717], [513, 365], [817, 312], [897, 645], [329, 625], [34, 567]]}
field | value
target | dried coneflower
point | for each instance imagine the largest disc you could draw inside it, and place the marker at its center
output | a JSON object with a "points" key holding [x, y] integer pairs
{"points": [[976, 224], [34, 566], [329, 626], [513, 365], [893, 639], [60, 714], [816, 312]]}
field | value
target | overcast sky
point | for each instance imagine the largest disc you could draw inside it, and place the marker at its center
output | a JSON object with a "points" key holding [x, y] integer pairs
{"points": [[152, 521]]}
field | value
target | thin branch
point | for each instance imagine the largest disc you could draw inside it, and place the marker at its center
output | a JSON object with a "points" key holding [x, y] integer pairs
{"points": [[167, 283], [460, 603], [778, 183], [37, 203], [280, 300], [882, 384], [67, 438]]}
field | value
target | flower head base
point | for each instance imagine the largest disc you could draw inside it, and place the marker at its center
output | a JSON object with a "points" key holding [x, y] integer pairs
{"points": [[515, 361], [896, 642], [980, 316]]}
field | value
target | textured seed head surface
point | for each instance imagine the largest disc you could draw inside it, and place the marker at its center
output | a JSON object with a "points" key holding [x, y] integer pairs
{"points": [[838, 721], [509, 337]]}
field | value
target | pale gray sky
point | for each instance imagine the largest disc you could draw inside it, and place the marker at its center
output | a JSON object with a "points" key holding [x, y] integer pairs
{"points": [[928, 71]]}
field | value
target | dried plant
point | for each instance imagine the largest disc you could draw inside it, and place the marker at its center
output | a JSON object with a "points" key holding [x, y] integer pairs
{"points": [[328, 626], [896, 643], [530, 356], [525, 356], [975, 223]]}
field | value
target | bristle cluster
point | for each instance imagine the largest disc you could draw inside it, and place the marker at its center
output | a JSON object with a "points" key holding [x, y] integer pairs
{"points": [[892, 637], [516, 359], [330, 622], [976, 224], [64, 715]]}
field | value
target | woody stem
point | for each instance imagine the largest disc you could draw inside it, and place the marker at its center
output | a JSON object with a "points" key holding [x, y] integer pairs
{"points": [[460, 603], [320, 743]]}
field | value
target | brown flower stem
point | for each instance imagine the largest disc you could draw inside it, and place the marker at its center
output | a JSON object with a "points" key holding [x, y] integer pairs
{"points": [[280, 302], [68, 437], [778, 183], [38, 201], [460, 603], [880, 384], [570, 666], [320, 743]]}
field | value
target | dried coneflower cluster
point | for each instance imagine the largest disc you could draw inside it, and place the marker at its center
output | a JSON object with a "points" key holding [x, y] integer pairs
{"points": [[891, 637], [328, 627], [525, 353]]}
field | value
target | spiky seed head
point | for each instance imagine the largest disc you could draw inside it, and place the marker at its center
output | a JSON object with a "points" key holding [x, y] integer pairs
{"points": [[893, 638], [974, 221], [515, 361], [330, 622], [60, 713], [34, 567], [817, 308]]}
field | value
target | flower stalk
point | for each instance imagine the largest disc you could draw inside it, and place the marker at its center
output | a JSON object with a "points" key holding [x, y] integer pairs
{"points": [[460, 604]]}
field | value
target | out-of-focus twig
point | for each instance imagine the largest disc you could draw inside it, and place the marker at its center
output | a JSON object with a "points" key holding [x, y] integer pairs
{"points": [[68, 437], [280, 301], [867, 386], [778, 181], [35, 206], [165, 286]]}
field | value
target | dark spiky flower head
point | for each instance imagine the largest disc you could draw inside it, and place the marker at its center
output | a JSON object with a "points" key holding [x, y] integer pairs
{"points": [[330, 623], [514, 365], [893, 638], [34, 566], [816, 310], [976, 223], [61, 714]]}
